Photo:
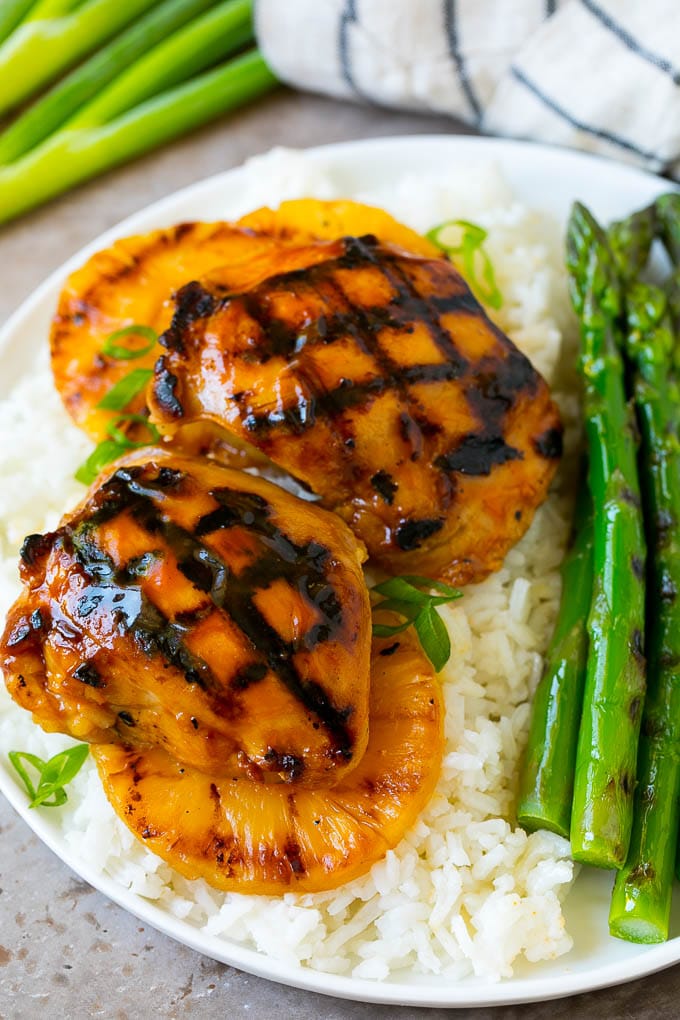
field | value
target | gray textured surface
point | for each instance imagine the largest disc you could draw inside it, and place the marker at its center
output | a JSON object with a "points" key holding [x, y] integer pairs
{"points": [[65, 951]]}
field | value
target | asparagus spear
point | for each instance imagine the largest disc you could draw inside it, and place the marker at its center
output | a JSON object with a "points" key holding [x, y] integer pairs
{"points": [[75, 156], [641, 900], [668, 212], [547, 777], [40, 49], [69, 95], [630, 241], [615, 675]]}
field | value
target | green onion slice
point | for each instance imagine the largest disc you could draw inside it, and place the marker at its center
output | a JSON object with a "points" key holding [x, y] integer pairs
{"points": [[119, 437], [411, 598], [116, 446], [122, 392], [477, 266], [53, 775], [103, 454], [122, 352]]}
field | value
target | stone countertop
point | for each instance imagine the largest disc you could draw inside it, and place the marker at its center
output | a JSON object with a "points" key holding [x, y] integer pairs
{"points": [[65, 950]]}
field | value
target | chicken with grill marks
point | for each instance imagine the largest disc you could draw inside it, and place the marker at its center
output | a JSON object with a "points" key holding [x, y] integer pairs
{"points": [[372, 376], [201, 610], [132, 283]]}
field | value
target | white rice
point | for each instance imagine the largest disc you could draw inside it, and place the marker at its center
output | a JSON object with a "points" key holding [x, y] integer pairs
{"points": [[466, 891]]}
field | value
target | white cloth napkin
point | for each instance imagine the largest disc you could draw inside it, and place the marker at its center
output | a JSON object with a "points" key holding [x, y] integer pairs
{"points": [[601, 76]]}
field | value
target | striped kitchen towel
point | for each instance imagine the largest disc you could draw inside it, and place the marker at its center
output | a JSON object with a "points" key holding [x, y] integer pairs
{"points": [[601, 75]]}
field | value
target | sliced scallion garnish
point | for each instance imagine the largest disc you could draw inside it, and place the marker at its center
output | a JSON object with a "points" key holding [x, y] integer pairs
{"points": [[116, 446], [470, 247], [405, 597], [120, 437], [103, 454], [122, 352], [120, 394], [53, 775]]}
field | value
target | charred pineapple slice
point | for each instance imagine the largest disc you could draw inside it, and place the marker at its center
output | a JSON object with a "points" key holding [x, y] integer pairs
{"points": [[132, 283], [301, 219], [247, 837]]}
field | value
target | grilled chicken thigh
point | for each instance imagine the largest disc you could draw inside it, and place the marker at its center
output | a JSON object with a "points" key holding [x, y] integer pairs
{"points": [[203, 611], [373, 376], [253, 838]]}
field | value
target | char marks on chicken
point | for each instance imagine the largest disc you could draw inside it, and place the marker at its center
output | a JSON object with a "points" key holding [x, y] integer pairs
{"points": [[201, 610], [374, 377]]}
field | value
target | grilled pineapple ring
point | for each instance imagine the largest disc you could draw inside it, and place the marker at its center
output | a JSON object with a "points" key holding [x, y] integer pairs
{"points": [[248, 837]]}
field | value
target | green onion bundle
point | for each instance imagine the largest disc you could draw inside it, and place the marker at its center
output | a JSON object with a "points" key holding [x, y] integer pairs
{"points": [[154, 70]]}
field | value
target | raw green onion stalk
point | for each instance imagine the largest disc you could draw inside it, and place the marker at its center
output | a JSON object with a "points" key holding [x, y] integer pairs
{"points": [[604, 781], [70, 157], [411, 598], [547, 777], [167, 72], [476, 264], [77, 89], [12, 12], [51, 41]]}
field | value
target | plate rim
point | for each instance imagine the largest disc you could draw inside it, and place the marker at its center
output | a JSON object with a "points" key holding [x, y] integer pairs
{"points": [[459, 994]]}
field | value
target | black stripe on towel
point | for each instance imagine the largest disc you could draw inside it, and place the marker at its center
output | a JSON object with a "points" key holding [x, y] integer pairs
{"points": [[348, 17], [550, 8], [630, 41], [457, 57], [607, 136]]}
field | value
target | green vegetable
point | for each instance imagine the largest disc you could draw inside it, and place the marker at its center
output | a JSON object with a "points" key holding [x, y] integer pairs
{"points": [[74, 156], [547, 776], [53, 775], [116, 446], [121, 352], [88, 80], [215, 35], [668, 213], [51, 41], [122, 392], [122, 439], [606, 755], [641, 901], [630, 241], [472, 253], [12, 12], [405, 597], [103, 454]]}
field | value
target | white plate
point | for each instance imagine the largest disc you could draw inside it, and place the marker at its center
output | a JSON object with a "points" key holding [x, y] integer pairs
{"points": [[542, 177]]}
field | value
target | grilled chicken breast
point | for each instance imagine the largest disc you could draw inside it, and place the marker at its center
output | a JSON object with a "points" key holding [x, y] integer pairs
{"points": [[199, 610], [373, 376], [253, 838]]}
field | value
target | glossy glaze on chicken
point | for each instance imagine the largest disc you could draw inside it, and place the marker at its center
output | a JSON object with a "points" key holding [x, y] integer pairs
{"points": [[374, 377], [262, 838], [202, 610]]}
